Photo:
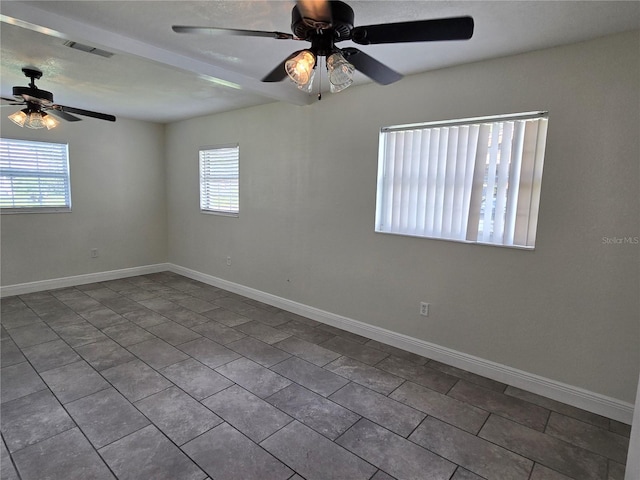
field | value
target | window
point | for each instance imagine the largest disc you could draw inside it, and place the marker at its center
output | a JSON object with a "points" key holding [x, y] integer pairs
{"points": [[472, 180], [219, 180], [34, 177]]}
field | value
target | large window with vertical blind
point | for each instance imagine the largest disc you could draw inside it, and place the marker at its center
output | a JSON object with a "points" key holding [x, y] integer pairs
{"points": [[34, 177], [473, 180], [220, 180]]}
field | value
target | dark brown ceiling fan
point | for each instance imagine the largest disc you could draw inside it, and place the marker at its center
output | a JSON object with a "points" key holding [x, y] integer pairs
{"points": [[39, 103], [324, 23]]}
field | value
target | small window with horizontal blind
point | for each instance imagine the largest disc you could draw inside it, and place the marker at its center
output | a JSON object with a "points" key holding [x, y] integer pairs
{"points": [[473, 180], [34, 177], [220, 180]]}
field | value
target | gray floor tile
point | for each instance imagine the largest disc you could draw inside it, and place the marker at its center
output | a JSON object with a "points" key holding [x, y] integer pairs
{"points": [[196, 304], [196, 379], [393, 454], [122, 305], [233, 304], [20, 317], [540, 472], [616, 427], [10, 354], [157, 353], [226, 317], [104, 354], [106, 416], [145, 318], [420, 374], [127, 334], [83, 305], [67, 455], [81, 334], [592, 418], [473, 453], [32, 334], [589, 437], [315, 457], [506, 406], [218, 333], [386, 412], [267, 317], [315, 411], [366, 375], [616, 471], [258, 351], [545, 449], [306, 332], [187, 318], [460, 414], [254, 417], [161, 305], [262, 332], [179, 416], [32, 418], [19, 380], [343, 333], [7, 470], [463, 474], [58, 319], [254, 377], [46, 356], [213, 450], [310, 376], [173, 333], [307, 351], [103, 318], [136, 380], [149, 454], [355, 350], [468, 376], [210, 353], [74, 381], [397, 352], [380, 475]]}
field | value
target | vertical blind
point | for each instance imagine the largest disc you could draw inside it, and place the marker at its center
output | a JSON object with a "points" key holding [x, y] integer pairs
{"points": [[34, 176], [219, 180], [475, 180]]}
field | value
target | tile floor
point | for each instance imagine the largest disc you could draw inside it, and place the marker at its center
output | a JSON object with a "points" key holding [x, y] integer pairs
{"points": [[162, 377]]}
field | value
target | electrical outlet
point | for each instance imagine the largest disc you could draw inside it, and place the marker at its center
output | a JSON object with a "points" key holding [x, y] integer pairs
{"points": [[228, 260], [94, 253], [424, 309]]}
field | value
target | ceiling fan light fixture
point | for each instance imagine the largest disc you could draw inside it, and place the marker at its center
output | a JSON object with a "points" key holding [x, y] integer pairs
{"points": [[340, 72], [301, 69], [19, 117], [34, 119]]}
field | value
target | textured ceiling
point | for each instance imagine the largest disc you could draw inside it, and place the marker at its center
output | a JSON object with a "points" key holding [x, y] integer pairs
{"points": [[158, 75]]}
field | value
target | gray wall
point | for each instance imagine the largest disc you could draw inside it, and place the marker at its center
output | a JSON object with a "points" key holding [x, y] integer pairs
{"points": [[567, 311], [118, 204]]}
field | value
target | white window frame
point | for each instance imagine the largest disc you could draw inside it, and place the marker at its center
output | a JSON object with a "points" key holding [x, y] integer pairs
{"points": [[433, 178], [219, 173], [34, 177]]}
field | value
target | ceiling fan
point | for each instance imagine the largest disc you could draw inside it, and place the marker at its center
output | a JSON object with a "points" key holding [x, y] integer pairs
{"points": [[324, 23], [40, 102]]}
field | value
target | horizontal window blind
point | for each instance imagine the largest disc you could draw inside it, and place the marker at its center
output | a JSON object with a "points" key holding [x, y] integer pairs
{"points": [[34, 176], [219, 180], [475, 180]]}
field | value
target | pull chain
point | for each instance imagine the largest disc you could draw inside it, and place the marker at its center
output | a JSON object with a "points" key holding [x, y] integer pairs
{"points": [[319, 79]]}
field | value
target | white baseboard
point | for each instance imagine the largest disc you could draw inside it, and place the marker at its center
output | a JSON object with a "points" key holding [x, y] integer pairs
{"points": [[568, 394], [31, 287]]}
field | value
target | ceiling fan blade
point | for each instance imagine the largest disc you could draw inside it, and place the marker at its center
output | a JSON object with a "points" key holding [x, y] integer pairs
{"points": [[86, 113], [456, 28], [371, 67], [315, 13], [232, 31], [63, 115], [14, 100], [279, 73]]}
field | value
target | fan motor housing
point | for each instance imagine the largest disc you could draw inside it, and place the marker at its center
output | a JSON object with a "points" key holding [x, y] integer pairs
{"points": [[33, 93], [342, 19]]}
